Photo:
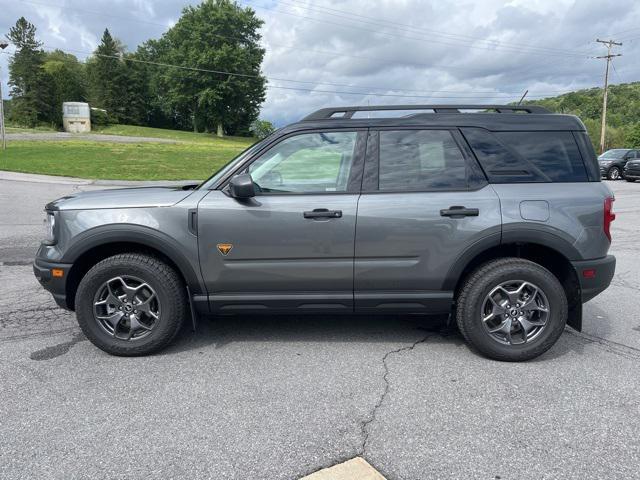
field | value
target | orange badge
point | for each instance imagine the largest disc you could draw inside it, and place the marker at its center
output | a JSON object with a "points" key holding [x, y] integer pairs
{"points": [[224, 248]]}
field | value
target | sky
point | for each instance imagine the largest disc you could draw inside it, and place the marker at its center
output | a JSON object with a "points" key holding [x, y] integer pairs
{"points": [[357, 52]]}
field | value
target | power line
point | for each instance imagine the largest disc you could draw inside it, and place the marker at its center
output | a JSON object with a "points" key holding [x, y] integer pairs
{"points": [[616, 71], [423, 40], [475, 94], [289, 47], [280, 87], [499, 44], [378, 21]]}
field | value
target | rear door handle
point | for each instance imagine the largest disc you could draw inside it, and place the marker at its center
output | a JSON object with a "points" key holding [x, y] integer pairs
{"points": [[459, 212], [323, 213]]}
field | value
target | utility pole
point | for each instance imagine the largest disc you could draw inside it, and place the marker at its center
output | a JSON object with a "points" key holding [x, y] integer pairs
{"points": [[608, 56], [3, 45]]}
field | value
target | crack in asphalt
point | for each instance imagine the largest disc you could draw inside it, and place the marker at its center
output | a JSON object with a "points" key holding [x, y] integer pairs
{"points": [[364, 427], [54, 351], [615, 348]]}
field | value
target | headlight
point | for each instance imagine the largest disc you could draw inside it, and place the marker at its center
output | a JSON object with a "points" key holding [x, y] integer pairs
{"points": [[605, 162], [50, 228]]}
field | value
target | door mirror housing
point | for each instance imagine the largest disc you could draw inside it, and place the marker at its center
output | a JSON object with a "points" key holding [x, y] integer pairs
{"points": [[242, 186]]}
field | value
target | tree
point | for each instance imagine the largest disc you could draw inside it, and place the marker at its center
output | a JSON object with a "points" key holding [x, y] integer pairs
{"points": [[66, 77], [118, 83], [215, 37], [106, 77], [633, 137], [262, 129], [30, 90]]}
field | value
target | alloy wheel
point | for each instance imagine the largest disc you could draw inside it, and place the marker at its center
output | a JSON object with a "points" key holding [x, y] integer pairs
{"points": [[515, 312], [126, 308], [614, 174]]}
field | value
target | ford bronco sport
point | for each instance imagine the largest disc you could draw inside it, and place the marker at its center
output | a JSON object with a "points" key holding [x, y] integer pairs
{"points": [[495, 215]]}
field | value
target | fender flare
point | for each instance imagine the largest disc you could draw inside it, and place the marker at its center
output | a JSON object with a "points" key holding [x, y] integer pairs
{"points": [[541, 235], [141, 235]]}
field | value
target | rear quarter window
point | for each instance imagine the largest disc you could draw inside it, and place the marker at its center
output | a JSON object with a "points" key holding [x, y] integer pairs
{"points": [[527, 157]]}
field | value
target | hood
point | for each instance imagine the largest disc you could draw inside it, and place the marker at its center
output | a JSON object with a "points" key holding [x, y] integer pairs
{"points": [[123, 198]]}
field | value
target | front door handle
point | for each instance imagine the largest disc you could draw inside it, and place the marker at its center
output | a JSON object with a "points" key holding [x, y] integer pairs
{"points": [[459, 212], [323, 213]]}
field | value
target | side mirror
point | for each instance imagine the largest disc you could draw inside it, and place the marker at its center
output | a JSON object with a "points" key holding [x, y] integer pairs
{"points": [[241, 186]]}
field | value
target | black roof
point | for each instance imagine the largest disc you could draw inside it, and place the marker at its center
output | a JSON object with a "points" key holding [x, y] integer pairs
{"points": [[491, 117]]}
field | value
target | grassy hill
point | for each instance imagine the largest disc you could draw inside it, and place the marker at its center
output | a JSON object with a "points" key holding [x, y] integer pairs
{"points": [[623, 112], [194, 156]]}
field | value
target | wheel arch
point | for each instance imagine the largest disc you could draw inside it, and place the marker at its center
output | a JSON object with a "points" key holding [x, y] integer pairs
{"points": [[97, 244], [556, 260]]}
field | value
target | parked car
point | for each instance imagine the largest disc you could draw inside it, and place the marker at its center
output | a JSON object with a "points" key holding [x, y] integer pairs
{"points": [[632, 170], [612, 162], [497, 217]]}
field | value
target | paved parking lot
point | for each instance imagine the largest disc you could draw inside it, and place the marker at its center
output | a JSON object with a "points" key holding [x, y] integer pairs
{"points": [[278, 398]]}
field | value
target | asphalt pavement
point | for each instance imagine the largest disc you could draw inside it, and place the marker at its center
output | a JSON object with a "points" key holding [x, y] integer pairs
{"points": [[282, 397]]}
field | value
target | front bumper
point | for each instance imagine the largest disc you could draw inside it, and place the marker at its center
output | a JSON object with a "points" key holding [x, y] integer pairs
{"points": [[56, 285], [594, 275], [634, 174]]}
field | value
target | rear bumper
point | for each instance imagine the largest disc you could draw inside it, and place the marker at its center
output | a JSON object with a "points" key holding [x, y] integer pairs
{"points": [[57, 286], [603, 270]]}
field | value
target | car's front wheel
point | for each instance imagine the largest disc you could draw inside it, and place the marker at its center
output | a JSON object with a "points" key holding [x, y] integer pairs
{"points": [[130, 304], [511, 309], [614, 173]]}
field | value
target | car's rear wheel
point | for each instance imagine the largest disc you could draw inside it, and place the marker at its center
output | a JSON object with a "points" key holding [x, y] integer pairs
{"points": [[614, 173], [131, 304], [511, 309]]}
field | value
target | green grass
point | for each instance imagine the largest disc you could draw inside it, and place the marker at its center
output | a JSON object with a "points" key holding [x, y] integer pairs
{"points": [[195, 156], [178, 135], [101, 160], [38, 129]]}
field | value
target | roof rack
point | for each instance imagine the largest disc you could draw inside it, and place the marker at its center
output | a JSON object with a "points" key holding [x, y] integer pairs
{"points": [[347, 112]]}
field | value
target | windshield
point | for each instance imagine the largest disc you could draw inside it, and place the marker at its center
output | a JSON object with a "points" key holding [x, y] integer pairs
{"points": [[616, 153]]}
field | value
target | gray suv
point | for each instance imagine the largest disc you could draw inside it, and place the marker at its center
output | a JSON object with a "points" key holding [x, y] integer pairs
{"points": [[495, 215]]}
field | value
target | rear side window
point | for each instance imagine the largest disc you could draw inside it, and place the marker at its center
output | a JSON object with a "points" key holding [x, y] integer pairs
{"points": [[420, 160], [522, 157]]}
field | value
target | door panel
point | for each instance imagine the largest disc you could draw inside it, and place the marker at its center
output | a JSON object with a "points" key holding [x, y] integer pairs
{"points": [[279, 259], [405, 248], [407, 240], [291, 246]]}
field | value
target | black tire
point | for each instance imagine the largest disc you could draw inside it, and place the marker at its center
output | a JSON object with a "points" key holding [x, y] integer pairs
{"points": [[630, 180], [171, 298], [614, 173], [482, 281]]}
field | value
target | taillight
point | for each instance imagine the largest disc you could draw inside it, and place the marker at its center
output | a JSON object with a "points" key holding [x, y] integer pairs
{"points": [[609, 216]]}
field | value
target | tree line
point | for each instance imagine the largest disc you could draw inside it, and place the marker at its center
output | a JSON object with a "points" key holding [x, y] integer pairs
{"points": [[623, 113], [176, 81]]}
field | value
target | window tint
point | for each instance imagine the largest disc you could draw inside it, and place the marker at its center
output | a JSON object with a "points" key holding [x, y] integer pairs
{"points": [[517, 157], [312, 162], [420, 160]]}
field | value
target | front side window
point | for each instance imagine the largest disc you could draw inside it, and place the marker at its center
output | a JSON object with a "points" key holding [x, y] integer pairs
{"points": [[307, 163], [420, 160]]}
